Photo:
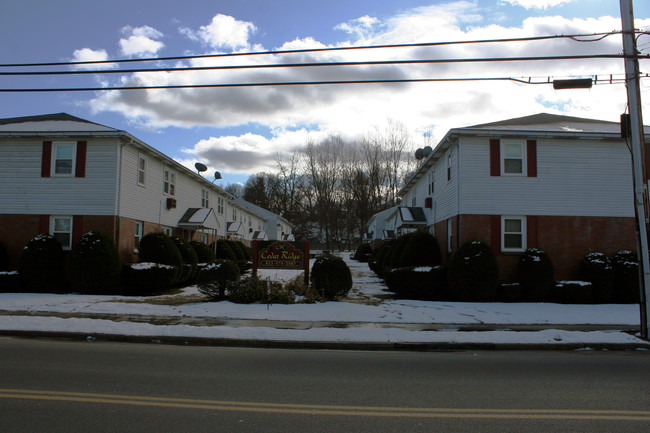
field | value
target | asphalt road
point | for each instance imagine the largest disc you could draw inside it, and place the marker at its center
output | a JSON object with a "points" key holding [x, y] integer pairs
{"points": [[65, 386]]}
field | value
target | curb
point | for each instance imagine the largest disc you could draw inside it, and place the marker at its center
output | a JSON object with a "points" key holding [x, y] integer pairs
{"points": [[323, 345]]}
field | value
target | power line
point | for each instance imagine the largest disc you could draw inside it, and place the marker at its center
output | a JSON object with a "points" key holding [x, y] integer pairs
{"points": [[311, 50], [324, 64], [301, 83]]}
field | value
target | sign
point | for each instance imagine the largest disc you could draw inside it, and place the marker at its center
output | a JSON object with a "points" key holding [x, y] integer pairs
{"points": [[281, 255]]}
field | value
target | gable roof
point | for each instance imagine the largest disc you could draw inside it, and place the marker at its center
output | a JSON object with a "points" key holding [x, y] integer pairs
{"points": [[51, 123]]}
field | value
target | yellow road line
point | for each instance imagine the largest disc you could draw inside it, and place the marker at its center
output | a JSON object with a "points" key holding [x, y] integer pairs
{"points": [[309, 409]]}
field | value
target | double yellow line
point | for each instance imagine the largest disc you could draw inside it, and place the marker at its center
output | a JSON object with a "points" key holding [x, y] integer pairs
{"points": [[311, 409]]}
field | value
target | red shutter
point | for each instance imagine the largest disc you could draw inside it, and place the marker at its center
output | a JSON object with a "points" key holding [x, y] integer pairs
{"points": [[46, 161], [80, 170], [531, 231], [495, 157], [44, 224], [531, 157], [77, 228], [495, 234]]}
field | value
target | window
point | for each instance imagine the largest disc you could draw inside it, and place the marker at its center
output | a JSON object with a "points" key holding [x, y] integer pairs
{"points": [[169, 182], [167, 230], [449, 166], [413, 201], [513, 232], [142, 167], [205, 198], [432, 175], [64, 159], [234, 214], [61, 230], [513, 153], [220, 205], [203, 238], [138, 231]]}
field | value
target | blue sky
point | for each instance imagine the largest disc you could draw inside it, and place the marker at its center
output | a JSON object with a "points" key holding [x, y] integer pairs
{"points": [[240, 131]]}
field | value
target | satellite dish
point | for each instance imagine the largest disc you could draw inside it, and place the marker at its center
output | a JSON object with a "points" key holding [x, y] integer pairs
{"points": [[427, 151], [419, 154], [217, 175], [200, 167]]}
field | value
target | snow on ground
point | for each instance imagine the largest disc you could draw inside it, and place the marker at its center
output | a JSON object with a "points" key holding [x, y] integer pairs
{"points": [[29, 311]]}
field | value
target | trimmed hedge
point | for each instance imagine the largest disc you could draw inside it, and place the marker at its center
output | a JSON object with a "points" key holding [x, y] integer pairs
{"points": [[626, 275], [159, 248], [597, 268], [536, 275], [4, 258], [213, 279], [363, 252], [190, 259], [331, 277], [423, 282], [41, 265], [95, 265], [204, 252], [421, 249], [474, 272], [147, 278]]}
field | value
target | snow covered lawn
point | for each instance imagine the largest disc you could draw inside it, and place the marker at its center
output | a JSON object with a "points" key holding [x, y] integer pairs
{"points": [[381, 320]]}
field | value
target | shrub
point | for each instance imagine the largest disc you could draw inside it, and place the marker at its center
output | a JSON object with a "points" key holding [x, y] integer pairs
{"points": [[394, 258], [190, 259], [536, 275], [224, 251], [363, 252], [147, 278], [253, 289], [95, 265], [41, 264], [597, 269], [214, 278], [422, 249], [4, 258], [474, 272], [204, 253], [159, 248], [238, 249], [626, 277], [423, 282], [572, 292], [381, 262], [9, 281], [331, 277]]}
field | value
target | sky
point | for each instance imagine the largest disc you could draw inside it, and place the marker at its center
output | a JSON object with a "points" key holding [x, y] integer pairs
{"points": [[243, 130]]}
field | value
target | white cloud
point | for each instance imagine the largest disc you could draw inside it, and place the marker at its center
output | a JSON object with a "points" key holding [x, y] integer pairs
{"points": [[353, 110], [226, 32], [90, 55], [538, 4], [140, 41]]}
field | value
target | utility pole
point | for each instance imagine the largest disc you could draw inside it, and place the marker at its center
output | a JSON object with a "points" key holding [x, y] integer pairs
{"points": [[638, 156]]}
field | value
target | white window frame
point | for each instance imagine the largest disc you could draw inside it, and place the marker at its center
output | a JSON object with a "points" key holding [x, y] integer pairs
{"points": [[142, 171], [205, 198], [138, 232], [220, 205], [449, 163], [521, 233], [432, 178], [169, 231], [54, 232], [522, 146], [55, 146], [169, 182], [203, 238]]}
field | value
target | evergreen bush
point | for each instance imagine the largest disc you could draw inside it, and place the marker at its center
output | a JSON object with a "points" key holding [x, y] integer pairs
{"points": [[204, 253], [383, 254], [224, 251], [147, 278], [536, 275], [474, 272], [190, 259], [4, 258], [421, 249], [626, 276], [10, 281], [157, 247], [572, 292], [252, 289], [41, 265], [239, 248], [95, 265], [214, 278], [422, 282], [331, 277], [363, 252], [597, 268], [394, 259]]}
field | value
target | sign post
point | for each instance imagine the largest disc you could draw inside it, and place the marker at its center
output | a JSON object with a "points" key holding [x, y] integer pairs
{"points": [[281, 255]]}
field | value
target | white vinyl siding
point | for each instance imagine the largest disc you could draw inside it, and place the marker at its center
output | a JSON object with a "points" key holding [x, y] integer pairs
{"points": [[574, 178], [94, 194]]}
